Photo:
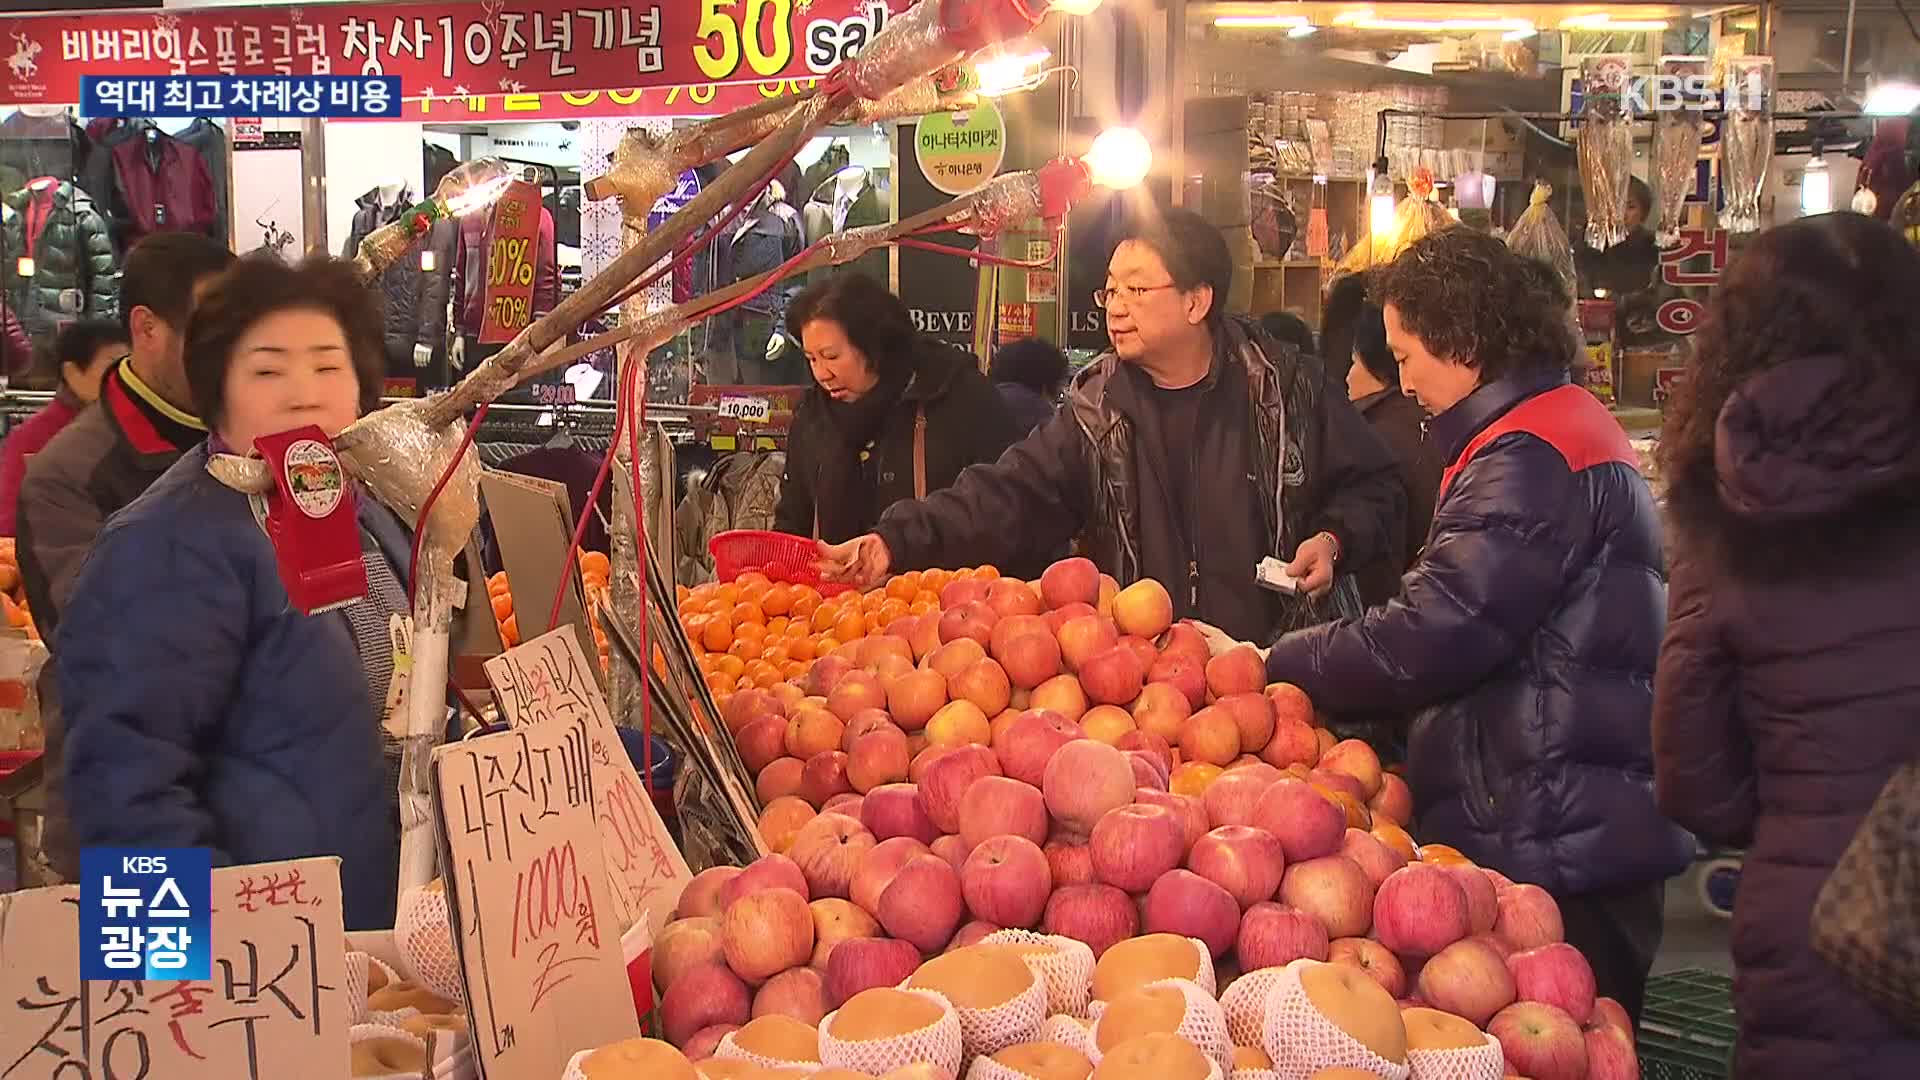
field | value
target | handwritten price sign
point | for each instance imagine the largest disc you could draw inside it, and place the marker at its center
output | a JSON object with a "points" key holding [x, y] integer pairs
{"points": [[512, 232]]}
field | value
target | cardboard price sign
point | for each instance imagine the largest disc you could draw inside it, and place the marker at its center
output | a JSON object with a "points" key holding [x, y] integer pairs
{"points": [[275, 1008], [528, 886], [511, 236], [549, 682]]}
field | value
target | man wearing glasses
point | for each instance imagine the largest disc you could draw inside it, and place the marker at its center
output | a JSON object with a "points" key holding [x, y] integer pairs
{"points": [[1195, 448]]}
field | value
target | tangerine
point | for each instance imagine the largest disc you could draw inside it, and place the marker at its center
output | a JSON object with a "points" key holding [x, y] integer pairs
{"points": [[502, 605], [717, 634], [986, 572], [850, 626], [904, 586], [746, 611], [923, 607], [595, 564], [778, 600], [824, 616], [720, 683], [894, 608], [729, 664], [801, 648]]}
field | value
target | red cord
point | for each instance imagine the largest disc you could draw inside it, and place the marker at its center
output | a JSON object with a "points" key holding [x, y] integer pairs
{"points": [[968, 253], [586, 512]]}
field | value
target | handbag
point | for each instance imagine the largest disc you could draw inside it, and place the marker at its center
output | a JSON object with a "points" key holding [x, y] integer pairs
{"points": [[1866, 920]]}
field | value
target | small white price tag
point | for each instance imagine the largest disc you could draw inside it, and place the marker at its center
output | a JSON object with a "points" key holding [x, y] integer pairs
{"points": [[756, 410]]}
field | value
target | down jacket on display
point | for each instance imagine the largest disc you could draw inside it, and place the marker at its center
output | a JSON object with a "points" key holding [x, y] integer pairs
{"points": [[74, 271], [414, 301], [1523, 640]]}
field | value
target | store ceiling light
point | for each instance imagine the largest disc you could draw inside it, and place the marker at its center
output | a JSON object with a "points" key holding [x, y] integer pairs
{"points": [[1603, 21], [1075, 7], [1521, 34], [1262, 22], [1303, 30], [1895, 97], [1367, 20]]}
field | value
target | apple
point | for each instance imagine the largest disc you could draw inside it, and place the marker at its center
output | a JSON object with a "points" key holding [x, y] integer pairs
{"points": [[953, 849], [892, 810], [1274, 935], [1291, 743], [1070, 581], [1373, 958], [1133, 845], [1374, 857], [1254, 717], [973, 933], [1085, 779], [1182, 639], [1291, 703], [964, 591], [834, 921], [984, 683], [1496, 943], [1246, 861], [1211, 735], [874, 650], [1162, 709], [1183, 902], [877, 870], [1419, 910], [1183, 672], [953, 657], [1239, 670], [958, 723], [1610, 1054], [1148, 772], [878, 758], [1356, 759], [825, 674], [1235, 796], [765, 933], [702, 894], [1468, 980], [1500, 880], [1483, 903], [782, 820], [1107, 723], [823, 776], [866, 722], [766, 872], [799, 993], [1152, 745], [749, 705], [974, 620], [1394, 800], [947, 778], [1030, 659], [683, 945], [1541, 1041], [1071, 864], [1010, 596], [1095, 914], [925, 637], [1608, 1011], [855, 691], [923, 903], [1084, 638], [762, 742], [708, 995], [1556, 975], [1143, 609], [916, 696], [1307, 823], [1527, 917], [701, 1045], [828, 850], [1030, 741], [1061, 694], [1337, 782], [1192, 812], [1002, 806], [1061, 616], [1334, 890], [864, 963], [1395, 838], [1193, 777], [1006, 881]]}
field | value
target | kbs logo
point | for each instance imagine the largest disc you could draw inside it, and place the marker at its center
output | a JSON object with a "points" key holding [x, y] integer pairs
{"points": [[146, 913]]}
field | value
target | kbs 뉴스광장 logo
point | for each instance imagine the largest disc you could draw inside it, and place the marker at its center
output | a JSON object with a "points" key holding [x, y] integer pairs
{"points": [[146, 913]]}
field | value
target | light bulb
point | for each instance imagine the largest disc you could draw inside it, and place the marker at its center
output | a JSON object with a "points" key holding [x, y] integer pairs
{"points": [[25, 266], [1380, 216], [426, 261], [1074, 7], [1119, 158], [1816, 187], [1895, 97]]}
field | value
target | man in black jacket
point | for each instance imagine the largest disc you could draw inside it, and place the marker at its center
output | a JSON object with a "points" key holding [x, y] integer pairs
{"points": [[1194, 449]]}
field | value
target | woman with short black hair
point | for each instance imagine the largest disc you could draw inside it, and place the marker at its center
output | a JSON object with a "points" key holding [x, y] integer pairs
{"points": [[1029, 374], [1523, 638], [202, 709], [1373, 385], [892, 414]]}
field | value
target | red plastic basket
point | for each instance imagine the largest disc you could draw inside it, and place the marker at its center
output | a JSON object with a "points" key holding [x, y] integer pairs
{"points": [[780, 556]]}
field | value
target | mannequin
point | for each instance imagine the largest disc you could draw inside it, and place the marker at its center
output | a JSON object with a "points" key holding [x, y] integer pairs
{"points": [[846, 200], [72, 270], [415, 299]]}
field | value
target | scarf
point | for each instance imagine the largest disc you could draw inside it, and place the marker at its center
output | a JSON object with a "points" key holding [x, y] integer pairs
{"points": [[844, 494]]}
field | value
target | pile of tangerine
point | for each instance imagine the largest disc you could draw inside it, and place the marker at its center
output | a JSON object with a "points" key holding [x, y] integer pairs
{"points": [[754, 632]]}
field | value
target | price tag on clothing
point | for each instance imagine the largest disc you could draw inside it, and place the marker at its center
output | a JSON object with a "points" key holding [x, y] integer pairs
{"points": [[757, 410]]}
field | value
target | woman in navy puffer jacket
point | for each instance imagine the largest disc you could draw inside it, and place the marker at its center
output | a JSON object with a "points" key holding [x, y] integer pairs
{"points": [[1523, 639]]}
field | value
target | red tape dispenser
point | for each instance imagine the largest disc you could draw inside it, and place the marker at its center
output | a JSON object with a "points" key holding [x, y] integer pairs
{"points": [[312, 519]]}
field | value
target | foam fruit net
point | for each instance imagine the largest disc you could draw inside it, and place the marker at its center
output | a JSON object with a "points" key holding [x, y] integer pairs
{"points": [[1066, 1031], [1301, 1041], [1245, 1004], [989, 1031], [360, 1033], [730, 1049], [1204, 975], [1259, 1074], [356, 987], [1203, 1025], [985, 1068], [938, 1044], [1068, 970], [423, 933], [1483, 1062]]}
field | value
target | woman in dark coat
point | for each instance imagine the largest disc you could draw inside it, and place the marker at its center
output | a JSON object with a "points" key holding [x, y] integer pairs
{"points": [[1523, 638], [892, 415], [1373, 385], [1787, 690], [1029, 374]]}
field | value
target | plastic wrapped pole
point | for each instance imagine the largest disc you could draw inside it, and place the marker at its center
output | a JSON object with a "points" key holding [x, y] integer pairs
{"points": [[1746, 140], [1605, 146], [1676, 142]]}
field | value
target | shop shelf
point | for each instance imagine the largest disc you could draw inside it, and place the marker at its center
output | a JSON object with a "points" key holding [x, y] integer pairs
{"points": [[1687, 1026]]}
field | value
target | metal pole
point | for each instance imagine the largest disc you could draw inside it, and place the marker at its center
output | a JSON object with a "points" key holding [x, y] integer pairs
{"points": [[1846, 52], [1176, 97]]}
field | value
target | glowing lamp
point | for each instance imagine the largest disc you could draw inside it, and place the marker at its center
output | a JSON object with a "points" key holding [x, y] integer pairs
{"points": [[1119, 158], [25, 266], [1816, 186], [1074, 7]]}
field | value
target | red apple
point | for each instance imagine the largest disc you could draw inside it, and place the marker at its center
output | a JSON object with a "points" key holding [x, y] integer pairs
{"points": [[708, 995], [1420, 910], [1070, 864], [1162, 709], [1133, 845], [1337, 782], [1610, 1054], [1148, 770], [1061, 616], [800, 993], [878, 758], [1500, 880], [1239, 670], [1245, 861], [1290, 703], [1274, 935], [766, 933], [1528, 917], [1394, 800], [1555, 975], [1468, 980], [864, 963], [1083, 780], [1030, 741], [1183, 672], [823, 776], [954, 850], [1307, 823], [953, 657], [983, 682], [782, 820], [963, 591], [702, 894], [972, 934], [701, 1045], [1496, 943], [1183, 902], [1483, 904], [1030, 659], [828, 850], [1332, 889], [1148, 743], [1070, 581], [682, 946], [1061, 694], [1183, 640], [765, 872], [1373, 958], [1192, 812], [1608, 1011], [947, 779], [825, 675], [1374, 857], [749, 705], [1143, 609], [877, 870], [1011, 596], [1292, 743], [1255, 718], [1355, 759], [1084, 638], [835, 921], [916, 696], [1002, 806], [866, 722], [857, 690], [892, 810], [762, 742], [1234, 798], [1212, 736], [1541, 1041], [923, 904], [1097, 915], [968, 621], [1006, 881], [1113, 676]]}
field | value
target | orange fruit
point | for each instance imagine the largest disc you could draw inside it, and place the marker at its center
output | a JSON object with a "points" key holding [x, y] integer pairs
{"points": [[805, 599], [509, 629], [777, 655], [706, 662], [717, 635], [825, 644], [824, 616], [894, 608], [729, 594], [801, 648], [793, 669], [927, 596], [923, 607], [986, 572], [596, 563], [798, 628], [904, 586], [753, 577], [778, 600], [753, 630], [777, 626], [753, 593], [720, 684], [745, 648], [746, 611], [935, 580], [680, 593], [502, 605], [850, 626], [729, 664], [704, 590]]}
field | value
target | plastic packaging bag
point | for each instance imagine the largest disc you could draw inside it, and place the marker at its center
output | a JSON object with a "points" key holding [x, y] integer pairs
{"points": [[1538, 235], [1416, 216]]}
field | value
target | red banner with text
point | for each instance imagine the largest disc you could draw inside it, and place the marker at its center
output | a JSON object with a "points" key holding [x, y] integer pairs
{"points": [[452, 51], [511, 236]]}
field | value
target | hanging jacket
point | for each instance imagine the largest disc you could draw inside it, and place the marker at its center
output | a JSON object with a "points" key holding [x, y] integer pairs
{"points": [[1787, 692], [74, 274], [1524, 641], [415, 300], [33, 146], [93, 161], [161, 185], [470, 270]]}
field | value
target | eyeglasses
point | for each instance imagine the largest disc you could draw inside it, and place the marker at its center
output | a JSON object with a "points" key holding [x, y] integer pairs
{"points": [[1126, 294]]}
